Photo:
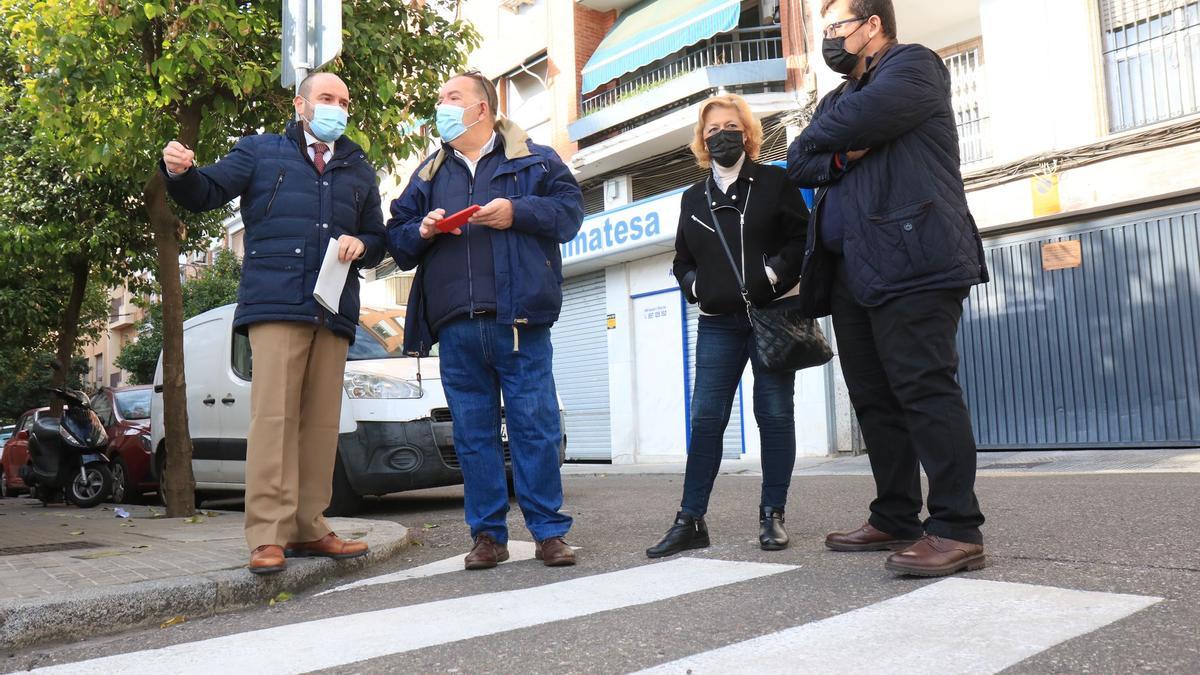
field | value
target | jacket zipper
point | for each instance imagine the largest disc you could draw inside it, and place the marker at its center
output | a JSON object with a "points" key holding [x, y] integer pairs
{"points": [[467, 227], [702, 224], [275, 192], [742, 235]]}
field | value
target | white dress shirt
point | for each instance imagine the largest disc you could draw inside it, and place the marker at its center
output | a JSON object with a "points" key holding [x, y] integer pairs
{"points": [[487, 147]]}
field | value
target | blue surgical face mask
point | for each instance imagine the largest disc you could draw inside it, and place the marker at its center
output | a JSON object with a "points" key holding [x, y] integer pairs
{"points": [[449, 121], [328, 122]]}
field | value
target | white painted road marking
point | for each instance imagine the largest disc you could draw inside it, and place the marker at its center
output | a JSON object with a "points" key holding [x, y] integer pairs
{"points": [[337, 641], [959, 625], [517, 551]]}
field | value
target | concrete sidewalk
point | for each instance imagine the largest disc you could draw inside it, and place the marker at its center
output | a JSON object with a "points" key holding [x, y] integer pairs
{"points": [[1185, 460], [68, 573]]}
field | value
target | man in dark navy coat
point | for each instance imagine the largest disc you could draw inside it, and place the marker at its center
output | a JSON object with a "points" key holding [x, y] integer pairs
{"points": [[488, 292], [300, 191], [892, 253]]}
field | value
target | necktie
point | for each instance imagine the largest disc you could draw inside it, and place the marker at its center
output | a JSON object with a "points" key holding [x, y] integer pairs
{"points": [[319, 150]]}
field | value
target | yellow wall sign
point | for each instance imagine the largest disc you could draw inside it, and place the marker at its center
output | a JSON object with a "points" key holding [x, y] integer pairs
{"points": [[1045, 194], [612, 321]]}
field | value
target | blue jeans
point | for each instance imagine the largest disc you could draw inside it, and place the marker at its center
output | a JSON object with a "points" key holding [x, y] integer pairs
{"points": [[477, 363], [723, 344]]}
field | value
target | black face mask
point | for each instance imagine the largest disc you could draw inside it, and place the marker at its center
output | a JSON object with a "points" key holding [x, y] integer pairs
{"points": [[836, 57], [726, 147]]}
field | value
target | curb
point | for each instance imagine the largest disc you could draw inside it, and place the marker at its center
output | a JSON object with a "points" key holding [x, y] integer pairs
{"points": [[86, 614]]}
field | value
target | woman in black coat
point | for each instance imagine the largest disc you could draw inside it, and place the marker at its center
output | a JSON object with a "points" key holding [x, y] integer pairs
{"points": [[763, 221]]}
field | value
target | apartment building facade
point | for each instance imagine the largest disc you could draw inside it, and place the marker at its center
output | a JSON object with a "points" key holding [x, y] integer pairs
{"points": [[1079, 125]]}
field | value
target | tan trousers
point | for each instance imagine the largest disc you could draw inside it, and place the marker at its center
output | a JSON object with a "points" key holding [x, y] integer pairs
{"points": [[295, 403]]}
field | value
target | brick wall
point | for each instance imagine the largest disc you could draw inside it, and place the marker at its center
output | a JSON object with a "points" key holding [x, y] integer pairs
{"points": [[590, 28]]}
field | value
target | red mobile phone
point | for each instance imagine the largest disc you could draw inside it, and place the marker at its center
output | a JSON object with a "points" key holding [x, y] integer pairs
{"points": [[457, 220]]}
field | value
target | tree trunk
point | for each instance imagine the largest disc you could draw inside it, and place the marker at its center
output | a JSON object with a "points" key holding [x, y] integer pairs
{"points": [[68, 329], [180, 485]]}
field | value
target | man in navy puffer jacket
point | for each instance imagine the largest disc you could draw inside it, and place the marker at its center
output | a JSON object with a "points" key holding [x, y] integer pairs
{"points": [[892, 251], [300, 191]]}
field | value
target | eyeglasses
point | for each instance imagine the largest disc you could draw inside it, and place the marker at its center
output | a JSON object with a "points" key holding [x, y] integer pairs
{"points": [[832, 29], [488, 86]]}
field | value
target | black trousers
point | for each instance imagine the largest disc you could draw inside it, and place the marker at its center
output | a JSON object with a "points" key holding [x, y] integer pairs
{"points": [[900, 363]]}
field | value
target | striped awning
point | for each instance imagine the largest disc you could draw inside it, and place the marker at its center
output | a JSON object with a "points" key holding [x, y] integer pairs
{"points": [[653, 29]]}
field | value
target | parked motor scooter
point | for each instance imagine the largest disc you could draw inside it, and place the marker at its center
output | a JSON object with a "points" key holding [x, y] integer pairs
{"points": [[66, 455]]}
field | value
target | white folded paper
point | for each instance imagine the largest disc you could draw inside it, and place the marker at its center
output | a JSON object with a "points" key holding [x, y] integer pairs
{"points": [[331, 280]]}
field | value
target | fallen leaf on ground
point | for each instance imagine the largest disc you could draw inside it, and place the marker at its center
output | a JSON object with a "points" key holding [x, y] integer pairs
{"points": [[173, 621], [194, 519], [429, 526], [283, 596], [211, 514], [76, 532]]}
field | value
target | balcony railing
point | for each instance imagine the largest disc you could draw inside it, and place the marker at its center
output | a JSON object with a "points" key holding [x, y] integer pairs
{"points": [[743, 45]]}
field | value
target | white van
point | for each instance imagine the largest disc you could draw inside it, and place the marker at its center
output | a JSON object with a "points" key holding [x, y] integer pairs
{"points": [[395, 431]]}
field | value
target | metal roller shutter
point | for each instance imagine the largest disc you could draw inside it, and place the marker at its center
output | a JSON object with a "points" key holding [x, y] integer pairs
{"points": [[1101, 355], [735, 443], [581, 367]]}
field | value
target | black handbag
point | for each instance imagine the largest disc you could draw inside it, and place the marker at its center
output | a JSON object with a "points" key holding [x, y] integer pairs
{"points": [[784, 338]]}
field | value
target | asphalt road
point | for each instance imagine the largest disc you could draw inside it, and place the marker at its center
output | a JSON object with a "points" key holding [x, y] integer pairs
{"points": [[1124, 534]]}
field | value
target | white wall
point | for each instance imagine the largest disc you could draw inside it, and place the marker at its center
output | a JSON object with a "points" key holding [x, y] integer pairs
{"points": [[508, 38], [1042, 67]]}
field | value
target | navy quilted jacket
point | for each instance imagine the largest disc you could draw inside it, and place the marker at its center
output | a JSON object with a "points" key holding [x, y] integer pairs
{"points": [[291, 213], [907, 226]]}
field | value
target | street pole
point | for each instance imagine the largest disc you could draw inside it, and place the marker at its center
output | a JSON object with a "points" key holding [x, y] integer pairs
{"points": [[300, 42]]}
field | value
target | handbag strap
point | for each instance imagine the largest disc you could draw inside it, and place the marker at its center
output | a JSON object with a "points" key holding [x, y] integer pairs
{"points": [[737, 273]]}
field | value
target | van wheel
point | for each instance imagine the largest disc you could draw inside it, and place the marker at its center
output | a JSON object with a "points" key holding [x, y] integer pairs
{"points": [[344, 500]]}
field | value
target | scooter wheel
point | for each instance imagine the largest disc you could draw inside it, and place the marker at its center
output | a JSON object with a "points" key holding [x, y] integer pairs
{"points": [[92, 487]]}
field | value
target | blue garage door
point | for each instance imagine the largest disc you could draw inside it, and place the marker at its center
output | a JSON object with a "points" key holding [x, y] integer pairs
{"points": [[1103, 355]]}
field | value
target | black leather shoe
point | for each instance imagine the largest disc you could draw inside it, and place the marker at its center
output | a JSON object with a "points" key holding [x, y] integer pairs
{"points": [[688, 532], [771, 535]]}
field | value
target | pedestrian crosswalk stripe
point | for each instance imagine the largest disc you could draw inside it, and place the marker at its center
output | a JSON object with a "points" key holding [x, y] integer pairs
{"points": [[337, 641], [959, 625], [517, 551]]}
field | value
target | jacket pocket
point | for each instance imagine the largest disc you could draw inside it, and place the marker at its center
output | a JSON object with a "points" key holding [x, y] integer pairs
{"points": [[275, 191], [901, 234], [273, 272]]}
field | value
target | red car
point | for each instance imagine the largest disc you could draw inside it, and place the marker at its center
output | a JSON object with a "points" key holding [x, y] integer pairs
{"points": [[125, 413], [16, 454]]}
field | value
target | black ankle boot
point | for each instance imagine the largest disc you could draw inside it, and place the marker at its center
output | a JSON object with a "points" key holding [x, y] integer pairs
{"points": [[688, 532], [771, 535]]}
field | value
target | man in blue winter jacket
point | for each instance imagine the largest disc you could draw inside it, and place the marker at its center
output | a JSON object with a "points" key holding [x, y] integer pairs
{"points": [[301, 192], [892, 252], [488, 292]]}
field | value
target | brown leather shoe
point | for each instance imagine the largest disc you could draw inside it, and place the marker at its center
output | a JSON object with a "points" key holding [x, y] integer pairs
{"points": [[329, 546], [865, 538], [554, 552], [485, 554], [934, 556], [267, 559]]}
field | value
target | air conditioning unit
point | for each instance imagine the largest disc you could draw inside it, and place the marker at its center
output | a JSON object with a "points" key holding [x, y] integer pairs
{"points": [[514, 6]]}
